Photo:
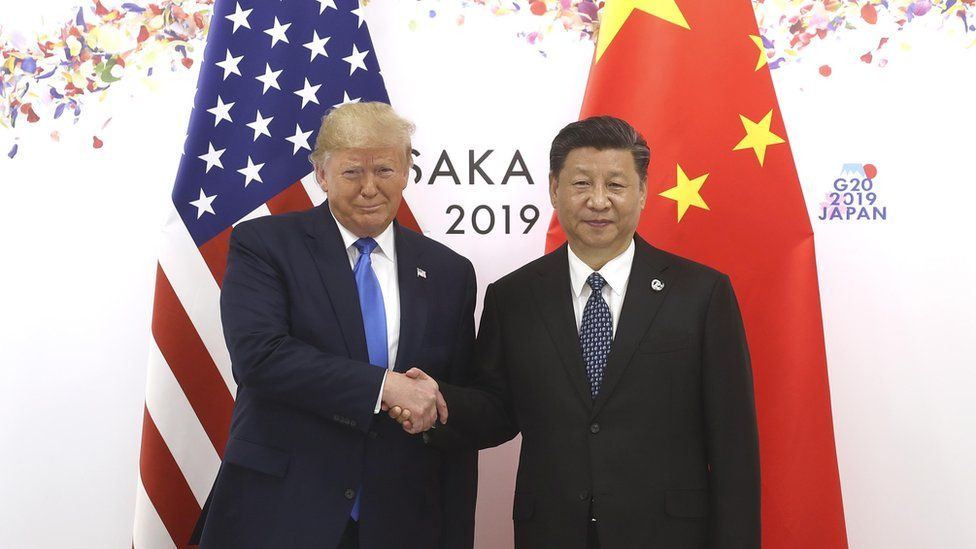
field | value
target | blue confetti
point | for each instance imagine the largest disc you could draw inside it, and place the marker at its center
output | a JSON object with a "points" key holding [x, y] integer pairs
{"points": [[133, 7], [13, 151], [80, 19], [59, 111], [28, 65]]}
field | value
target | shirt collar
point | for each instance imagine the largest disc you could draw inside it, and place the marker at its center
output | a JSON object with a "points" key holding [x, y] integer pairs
{"points": [[384, 241], [616, 271]]}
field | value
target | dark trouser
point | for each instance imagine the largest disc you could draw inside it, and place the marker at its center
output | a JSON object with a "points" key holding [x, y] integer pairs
{"points": [[350, 537]]}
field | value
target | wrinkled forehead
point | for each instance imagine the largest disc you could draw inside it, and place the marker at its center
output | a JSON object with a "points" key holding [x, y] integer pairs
{"points": [[594, 162], [368, 155]]}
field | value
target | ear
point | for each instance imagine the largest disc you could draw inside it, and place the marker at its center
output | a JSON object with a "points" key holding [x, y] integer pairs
{"points": [[643, 193], [321, 178], [553, 185]]}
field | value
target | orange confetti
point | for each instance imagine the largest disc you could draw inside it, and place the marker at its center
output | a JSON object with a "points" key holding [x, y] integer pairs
{"points": [[825, 70], [869, 14], [96, 142]]}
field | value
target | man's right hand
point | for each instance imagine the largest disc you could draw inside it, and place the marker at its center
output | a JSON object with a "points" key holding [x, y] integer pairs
{"points": [[415, 398]]}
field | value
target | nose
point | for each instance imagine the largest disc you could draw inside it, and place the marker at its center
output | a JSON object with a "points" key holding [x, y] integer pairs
{"points": [[598, 199], [368, 188]]}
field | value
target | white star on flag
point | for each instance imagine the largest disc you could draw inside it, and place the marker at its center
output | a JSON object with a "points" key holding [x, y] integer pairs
{"points": [[229, 64], [204, 204], [356, 60], [326, 4], [277, 32], [212, 158], [347, 99], [317, 45], [251, 172], [239, 17], [221, 111], [269, 79], [358, 12], [260, 126], [299, 140], [308, 92]]}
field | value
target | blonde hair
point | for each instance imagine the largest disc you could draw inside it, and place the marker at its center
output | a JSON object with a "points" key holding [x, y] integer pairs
{"points": [[361, 125]]}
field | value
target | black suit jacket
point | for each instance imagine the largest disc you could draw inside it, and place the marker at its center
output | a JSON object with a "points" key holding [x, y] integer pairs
{"points": [[666, 456], [304, 439]]}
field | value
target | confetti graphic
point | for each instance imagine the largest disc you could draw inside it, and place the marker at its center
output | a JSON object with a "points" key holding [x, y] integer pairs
{"points": [[50, 75]]}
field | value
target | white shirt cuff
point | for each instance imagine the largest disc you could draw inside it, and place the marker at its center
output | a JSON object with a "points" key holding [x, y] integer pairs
{"points": [[379, 398]]}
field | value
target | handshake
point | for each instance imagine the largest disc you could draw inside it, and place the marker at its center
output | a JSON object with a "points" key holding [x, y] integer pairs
{"points": [[413, 400]]}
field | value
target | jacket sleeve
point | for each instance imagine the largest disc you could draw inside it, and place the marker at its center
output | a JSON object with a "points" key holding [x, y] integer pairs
{"points": [[459, 467], [481, 415], [731, 434], [267, 359]]}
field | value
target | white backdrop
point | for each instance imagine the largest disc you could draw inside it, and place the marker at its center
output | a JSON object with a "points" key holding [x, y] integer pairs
{"points": [[80, 227]]}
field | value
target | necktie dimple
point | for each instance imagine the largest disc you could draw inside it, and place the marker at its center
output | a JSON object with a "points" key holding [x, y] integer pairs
{"points": [[374, 317], [596, 333]]}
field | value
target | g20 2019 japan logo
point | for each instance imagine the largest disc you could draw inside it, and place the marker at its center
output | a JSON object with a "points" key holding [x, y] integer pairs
{"points": [[854, 196]]}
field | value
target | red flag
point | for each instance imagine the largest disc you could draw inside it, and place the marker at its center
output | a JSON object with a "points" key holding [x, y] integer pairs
{"points": [[691, 76]]}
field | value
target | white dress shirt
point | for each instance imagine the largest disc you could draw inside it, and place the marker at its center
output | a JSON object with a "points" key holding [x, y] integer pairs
{"points": [[384, 263], [616, 273]]}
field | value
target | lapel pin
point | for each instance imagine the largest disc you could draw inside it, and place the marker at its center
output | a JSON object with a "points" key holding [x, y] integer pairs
{"points": [[421, 273], [657, 285]]}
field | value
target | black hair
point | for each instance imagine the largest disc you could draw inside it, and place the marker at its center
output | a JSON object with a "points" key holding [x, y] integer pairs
{"points": [[600, 133]]}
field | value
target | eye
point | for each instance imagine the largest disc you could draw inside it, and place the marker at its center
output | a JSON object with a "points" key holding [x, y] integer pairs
{"points": [[580, 183], [614, 185]]}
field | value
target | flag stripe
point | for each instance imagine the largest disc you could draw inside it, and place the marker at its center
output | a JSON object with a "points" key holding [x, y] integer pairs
{"points": [[214, 253], [165, 485], [179, 427], [199, 293], [312, 188], [191, 363], [148, 531], [294, 198]]}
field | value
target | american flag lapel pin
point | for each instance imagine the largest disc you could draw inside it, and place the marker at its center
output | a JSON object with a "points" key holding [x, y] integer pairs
{"points": [[421, 273]]}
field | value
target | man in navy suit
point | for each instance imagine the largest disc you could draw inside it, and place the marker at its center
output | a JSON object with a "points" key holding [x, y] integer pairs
{"points": [[323, 312]]}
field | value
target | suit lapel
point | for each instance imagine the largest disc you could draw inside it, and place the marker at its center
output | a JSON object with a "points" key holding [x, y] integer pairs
{"points": [[641, 304], [413, 296], [325, 244], [553, 296]]}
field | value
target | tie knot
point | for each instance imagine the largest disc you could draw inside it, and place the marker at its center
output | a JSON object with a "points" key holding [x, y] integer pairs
{"points": [[365, 245], [596, 282]]}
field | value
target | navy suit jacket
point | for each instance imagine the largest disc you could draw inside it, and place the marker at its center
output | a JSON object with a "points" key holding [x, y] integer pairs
{"points": [[304, 440]]}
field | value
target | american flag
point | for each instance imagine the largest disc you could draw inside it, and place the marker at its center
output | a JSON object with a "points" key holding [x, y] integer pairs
{"points": [[271, 71]]}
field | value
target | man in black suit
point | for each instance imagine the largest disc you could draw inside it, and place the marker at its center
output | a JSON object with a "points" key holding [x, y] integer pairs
{"points": [[625, 369], [323, 311]]}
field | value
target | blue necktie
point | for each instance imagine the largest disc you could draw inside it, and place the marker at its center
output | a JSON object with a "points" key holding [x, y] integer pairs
{"points": [[596, 334], [374, 317]]}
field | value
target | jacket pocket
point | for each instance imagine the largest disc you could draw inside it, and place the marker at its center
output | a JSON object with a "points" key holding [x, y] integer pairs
{"points": [[686, 503], [257, 457], [524, 507]]}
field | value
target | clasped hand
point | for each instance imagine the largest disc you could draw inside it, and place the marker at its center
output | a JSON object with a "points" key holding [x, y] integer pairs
{"points": [[413, 400]]}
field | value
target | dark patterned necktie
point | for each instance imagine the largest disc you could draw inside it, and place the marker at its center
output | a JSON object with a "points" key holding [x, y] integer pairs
{"points": [[596, 333]]}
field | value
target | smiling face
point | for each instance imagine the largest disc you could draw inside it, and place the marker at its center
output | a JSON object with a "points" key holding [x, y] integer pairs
{"points": [[598, 196], [365, 186]]}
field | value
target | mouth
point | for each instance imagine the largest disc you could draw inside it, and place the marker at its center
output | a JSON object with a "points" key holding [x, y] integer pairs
{"points": [[370, 209], [598, 223]]}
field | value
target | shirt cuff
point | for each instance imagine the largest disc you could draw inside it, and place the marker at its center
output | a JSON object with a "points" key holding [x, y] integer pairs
{"points": [[379, 398]]}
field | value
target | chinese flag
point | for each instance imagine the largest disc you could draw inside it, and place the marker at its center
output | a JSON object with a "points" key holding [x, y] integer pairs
{"points": [[691, 76]]}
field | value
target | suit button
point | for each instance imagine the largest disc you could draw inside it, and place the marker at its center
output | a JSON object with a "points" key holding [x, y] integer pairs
{"points": [[373, 435], [584, 495], [595, 428], [350, 493]]}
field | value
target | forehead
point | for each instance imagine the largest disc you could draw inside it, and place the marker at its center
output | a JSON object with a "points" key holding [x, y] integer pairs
{"points": [[367, 154], [591, 161]]}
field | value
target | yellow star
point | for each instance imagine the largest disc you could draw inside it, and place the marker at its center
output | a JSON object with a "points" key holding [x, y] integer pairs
{"points": [[763, 60], [686, 193], [616, 12], [758, 136]]}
